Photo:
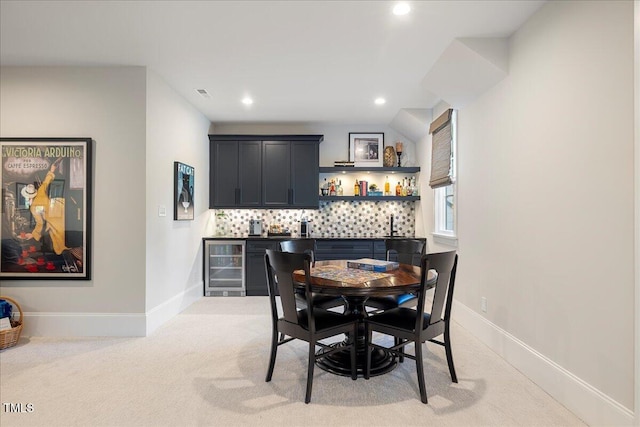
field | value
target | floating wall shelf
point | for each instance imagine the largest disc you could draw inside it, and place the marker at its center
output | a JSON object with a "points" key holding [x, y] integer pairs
{"points": [[332, 169], [376, 198]]}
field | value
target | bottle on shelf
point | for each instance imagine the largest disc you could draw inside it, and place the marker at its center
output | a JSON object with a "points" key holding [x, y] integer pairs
{"points": [[356, 188], [339, 189], [332, 188], [398, 189], [387, 190]]}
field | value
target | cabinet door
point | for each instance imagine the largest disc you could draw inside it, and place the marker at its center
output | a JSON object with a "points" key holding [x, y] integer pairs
{"points": [[223, 177], [276, 173], [250, 173], [256, 275], [379, 250], [304, 174]]}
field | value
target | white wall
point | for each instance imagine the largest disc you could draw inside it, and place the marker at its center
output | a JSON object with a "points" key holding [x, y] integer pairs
{"points": [[108, 105], [176, 131], [636, 73], [146, 268], [336, 137], [546, 208]]}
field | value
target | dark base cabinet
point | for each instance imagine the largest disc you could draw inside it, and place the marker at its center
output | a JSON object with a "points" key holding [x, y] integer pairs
{"points": [[379, 250], [256, 276], [344, 249], [327, 249], [352, 249]]}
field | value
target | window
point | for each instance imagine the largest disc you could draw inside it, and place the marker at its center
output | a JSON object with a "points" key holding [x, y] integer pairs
{"points": [[443, 177]]}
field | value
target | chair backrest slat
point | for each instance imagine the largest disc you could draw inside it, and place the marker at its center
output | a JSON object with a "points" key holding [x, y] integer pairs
{"points": [[445, 264], [280, 267], [300, 246], [408, 251]]}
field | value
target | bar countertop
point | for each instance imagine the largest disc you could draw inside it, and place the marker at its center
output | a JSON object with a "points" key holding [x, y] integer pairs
{"points": [[313, 236]]}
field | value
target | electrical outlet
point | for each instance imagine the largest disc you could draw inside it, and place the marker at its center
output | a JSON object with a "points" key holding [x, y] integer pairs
{"points": [[483, 304], [162, 210]]}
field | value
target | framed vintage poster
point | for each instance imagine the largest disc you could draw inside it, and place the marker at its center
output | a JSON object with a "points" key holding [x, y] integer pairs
{"points": [[46, 208], [366, 149], [183, 185]]}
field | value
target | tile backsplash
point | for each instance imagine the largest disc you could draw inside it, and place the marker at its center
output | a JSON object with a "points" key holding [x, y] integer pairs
{"points": [[332, 219]]}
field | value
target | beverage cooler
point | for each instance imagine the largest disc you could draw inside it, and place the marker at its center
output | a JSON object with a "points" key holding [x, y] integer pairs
{"points": [[224, 268]]}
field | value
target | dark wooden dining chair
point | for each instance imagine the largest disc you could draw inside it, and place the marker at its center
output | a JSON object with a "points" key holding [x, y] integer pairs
{"points": [[408, 251], [409, 325], [300, 246], [310, 324]]}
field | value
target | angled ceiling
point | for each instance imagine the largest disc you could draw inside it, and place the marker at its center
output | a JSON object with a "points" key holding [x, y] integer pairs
{"points": [[301, 61]]}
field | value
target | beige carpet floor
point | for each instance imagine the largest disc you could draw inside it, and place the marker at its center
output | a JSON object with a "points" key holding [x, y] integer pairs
{"points": [[206, 367]]}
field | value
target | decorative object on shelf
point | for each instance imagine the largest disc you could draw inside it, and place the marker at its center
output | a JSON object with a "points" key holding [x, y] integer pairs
{"points": [[221, 223], [343, 164], [363, 188], [399, 152], [46, 211], [9, 337], [183, 186], [389, 157], [365, 149]]}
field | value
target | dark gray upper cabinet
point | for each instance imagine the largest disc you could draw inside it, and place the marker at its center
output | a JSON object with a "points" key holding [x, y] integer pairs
{"points": [[223, 175], [264, 171], [249, 174], [276, 173], [304, 174]]}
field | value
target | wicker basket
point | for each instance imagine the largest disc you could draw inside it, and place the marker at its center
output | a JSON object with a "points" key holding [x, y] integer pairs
{"points": [[10, 337]]}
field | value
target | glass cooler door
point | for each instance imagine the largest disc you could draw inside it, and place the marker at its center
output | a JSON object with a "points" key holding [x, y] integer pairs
{"points": [[224, 268]]}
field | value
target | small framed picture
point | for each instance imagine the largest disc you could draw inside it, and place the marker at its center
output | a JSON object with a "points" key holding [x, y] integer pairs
{"points": [[184, 179], [366, 149]]}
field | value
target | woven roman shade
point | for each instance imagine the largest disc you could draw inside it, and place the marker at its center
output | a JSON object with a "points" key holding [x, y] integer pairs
{"points": [[441, 150]]}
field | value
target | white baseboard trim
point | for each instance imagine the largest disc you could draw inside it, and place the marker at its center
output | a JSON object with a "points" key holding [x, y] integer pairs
{"points": [[581, 398], [108, 324], [84, 324], [170, 308]]}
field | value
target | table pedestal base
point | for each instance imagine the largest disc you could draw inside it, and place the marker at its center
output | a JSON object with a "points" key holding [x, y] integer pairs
{"points": [[339, 363]]}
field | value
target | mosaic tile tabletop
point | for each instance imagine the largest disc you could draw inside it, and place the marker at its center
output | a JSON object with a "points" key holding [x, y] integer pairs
{"points": [[352, 276]]}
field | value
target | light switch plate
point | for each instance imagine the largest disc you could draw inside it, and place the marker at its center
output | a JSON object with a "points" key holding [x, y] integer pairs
{"points": [[162, 210]]}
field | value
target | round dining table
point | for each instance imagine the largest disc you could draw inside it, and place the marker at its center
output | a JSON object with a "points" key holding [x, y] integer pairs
{"points": [[355, 286]]}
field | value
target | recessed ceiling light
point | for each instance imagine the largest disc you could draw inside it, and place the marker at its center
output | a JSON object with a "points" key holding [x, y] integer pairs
{"points": [[247, 101], [401, 8], [380, 101]]}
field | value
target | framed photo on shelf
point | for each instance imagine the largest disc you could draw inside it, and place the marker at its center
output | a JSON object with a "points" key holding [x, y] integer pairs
{"points": [[46, 211], [183, 186], [366, 149]]}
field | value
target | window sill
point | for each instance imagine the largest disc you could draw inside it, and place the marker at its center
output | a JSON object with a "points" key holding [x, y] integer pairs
{"points": [[445, 239]]}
